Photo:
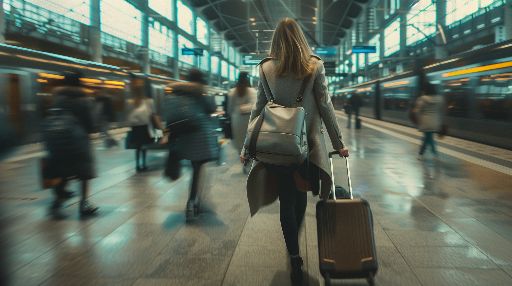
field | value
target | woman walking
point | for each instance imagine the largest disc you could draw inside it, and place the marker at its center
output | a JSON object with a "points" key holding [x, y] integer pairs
{"points": [[197, 141], [143, 121], [428, 110], [240, 102], [77, 161], [290, 63]]}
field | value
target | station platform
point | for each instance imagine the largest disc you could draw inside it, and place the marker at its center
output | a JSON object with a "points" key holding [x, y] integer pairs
{"points": [[438, 221]]}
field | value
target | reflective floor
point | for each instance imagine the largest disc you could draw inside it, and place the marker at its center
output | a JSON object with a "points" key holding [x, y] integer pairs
{"points": [[437, 222]]}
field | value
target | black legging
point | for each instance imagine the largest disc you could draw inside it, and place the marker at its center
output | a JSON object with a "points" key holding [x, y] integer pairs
{"points": [[138, 162], [196, 172], [292, 208]]}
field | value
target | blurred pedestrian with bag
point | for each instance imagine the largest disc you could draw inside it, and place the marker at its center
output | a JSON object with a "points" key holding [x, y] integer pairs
{"points": [[143, 121], [241, 99], [65, 133], [192, 134], [292, 83]]}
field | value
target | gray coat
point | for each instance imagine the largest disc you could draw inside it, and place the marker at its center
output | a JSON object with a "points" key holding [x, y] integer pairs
{"points": [[201, 144], [429, 110], [261, 184], [240, 120]]}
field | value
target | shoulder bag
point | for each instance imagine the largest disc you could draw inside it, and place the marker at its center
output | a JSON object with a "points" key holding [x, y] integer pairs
{"points": [[278, 135]]}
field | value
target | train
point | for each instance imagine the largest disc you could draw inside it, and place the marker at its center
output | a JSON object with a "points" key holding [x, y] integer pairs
{"points": [[476, 86], [27, 78]]}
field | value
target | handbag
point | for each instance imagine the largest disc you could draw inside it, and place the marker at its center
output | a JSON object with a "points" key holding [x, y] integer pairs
{"points": [[128, 141], [47, 179], [278, 135]]}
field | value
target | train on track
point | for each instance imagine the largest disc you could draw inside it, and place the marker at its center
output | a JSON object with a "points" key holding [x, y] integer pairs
{"points": [[476, 86], [27, 78]]}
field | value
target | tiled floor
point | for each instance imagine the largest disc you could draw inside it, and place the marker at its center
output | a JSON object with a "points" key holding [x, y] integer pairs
{"points": [[445, 222]]}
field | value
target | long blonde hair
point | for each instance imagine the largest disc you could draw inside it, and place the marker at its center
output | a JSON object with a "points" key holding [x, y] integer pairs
{"points": [[291, 50]]}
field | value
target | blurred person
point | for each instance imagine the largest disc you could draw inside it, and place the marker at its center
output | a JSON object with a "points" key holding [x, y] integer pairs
{"points": [[8, 138], [290, 63], [106, 114], [428, 111], [143, 121], [197, 140], [240, 102], [68, 144], [354, 104]]}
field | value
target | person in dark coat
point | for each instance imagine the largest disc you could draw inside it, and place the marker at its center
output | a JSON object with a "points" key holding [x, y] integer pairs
{"points": [[72, 98], [355, 102], [201, 144]]}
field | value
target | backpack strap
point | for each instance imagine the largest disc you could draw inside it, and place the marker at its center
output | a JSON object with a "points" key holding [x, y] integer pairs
{"points": [[270, 96]]}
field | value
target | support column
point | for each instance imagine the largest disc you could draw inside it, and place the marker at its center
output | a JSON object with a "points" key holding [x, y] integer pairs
{"points": [[145, 63], [380, 22], [403, 37], [2, 22], [176, 51], [95, 46], [364, 39], [319, 22], [440, 48], [508, 20]]}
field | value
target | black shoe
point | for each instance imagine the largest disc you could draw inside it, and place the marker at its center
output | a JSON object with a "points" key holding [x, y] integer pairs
{"points": [[88, 209], [190, 211], [67, 194], [56, 210], [297, 276]]}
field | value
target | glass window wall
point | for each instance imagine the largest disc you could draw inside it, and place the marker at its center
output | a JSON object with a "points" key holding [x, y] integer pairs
{"points": [[202, 31], [215, 65], [163, 7], [185, 18], [121, 19], [74, 9], [161, 39], [457, 10], [204, 60], [374, 57], [185, 43], [421, 21], [224, 69], [392, 38], [232, 73]]}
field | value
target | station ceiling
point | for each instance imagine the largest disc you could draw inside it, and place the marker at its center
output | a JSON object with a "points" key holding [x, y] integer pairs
{"points": [[248, 24]]}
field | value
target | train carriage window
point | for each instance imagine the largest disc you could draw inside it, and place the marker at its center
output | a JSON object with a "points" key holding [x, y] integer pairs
{"points": [[494, 97], [457, 94], [397, 95]]}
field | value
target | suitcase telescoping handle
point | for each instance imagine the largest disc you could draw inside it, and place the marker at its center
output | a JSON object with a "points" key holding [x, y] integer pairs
{"points": [[333, 187]]}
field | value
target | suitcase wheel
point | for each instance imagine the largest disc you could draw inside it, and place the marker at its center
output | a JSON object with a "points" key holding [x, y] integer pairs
{"points": [[371, 280]]}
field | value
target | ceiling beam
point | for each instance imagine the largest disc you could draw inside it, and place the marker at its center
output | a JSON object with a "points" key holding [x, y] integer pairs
{"points": [[342, 19], [225, 23]]}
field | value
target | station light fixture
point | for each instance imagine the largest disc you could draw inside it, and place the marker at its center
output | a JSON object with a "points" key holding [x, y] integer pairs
{"points": [[51, 75], [478, 69]]}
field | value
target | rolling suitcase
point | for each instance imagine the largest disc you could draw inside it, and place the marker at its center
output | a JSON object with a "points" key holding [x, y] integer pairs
{"points": [[346, 243]]}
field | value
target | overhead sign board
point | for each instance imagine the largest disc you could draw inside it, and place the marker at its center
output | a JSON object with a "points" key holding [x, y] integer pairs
{"points": [[364, 49], [252, 59], [326, 52], [192, 51]]}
